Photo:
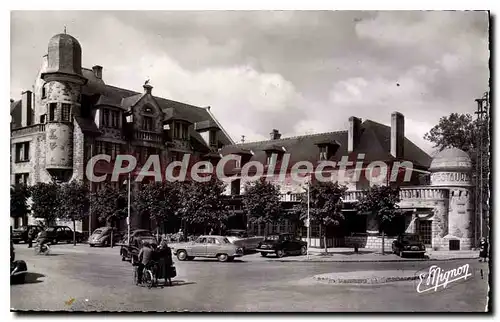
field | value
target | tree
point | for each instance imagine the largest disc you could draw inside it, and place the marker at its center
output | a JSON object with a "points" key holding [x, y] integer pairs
{"points": [[462, 132], [45, 198], [19, 195], [325, 205], [109, 204], [262, 203], [202, 203], [162, 201], [382, 202], [73, 203]]}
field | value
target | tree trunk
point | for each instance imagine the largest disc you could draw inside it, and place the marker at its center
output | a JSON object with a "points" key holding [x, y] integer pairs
{"points": [[74, 232], [324, 239], [383, 242]]}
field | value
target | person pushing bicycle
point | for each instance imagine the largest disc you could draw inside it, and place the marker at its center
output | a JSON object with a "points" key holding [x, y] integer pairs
{"points": [[42, 240], [145, 257]]}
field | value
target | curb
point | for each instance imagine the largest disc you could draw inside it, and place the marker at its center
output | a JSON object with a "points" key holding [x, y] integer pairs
{"points": [[368, 260], [374, 280]]}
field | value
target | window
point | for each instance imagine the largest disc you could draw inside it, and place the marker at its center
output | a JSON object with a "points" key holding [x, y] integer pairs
{"points": [[323, 153], [105, 118], [235, 187], [177, 130], [44, 92], [147, 123], [115, 118], [271, 158], [212, 138], [52, 111], [237, 163], [22, 152], [314, 230], [66, 111], [22, 178], [184, 129], [42, 118]]}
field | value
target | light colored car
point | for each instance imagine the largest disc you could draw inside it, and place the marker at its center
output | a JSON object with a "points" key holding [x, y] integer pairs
{"points": [[242, 239], [211, 246]]}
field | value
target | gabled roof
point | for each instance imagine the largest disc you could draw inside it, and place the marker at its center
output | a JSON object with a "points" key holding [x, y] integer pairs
{"points": [[374, 142]]}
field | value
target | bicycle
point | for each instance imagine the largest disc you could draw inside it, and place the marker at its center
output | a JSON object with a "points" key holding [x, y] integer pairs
{"points": [[39, 251], [149, 277]]}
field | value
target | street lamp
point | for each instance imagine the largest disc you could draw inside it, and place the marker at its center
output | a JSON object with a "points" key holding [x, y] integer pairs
{"points": [[128, 206]]}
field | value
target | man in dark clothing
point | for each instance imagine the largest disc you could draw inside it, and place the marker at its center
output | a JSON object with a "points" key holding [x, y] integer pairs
{"points": [[31, 236], [483, 253], [145, 256], [42, 240]]}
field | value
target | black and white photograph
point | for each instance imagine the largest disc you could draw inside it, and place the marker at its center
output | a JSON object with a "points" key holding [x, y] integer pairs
{"points": [[251, 161]]}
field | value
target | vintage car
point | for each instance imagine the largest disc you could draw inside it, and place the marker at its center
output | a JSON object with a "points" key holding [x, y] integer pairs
{"points": [[129, 252], [57, 234], [21, 234], [407, 244], [281, 245], [211, 246], [102, 237], [242, 239]]}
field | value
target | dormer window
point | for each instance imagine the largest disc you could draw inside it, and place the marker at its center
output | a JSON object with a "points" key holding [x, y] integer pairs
{"points": [[52, 111], [213, 138], [105, 118], [148, 109], [327, 149], [181, 131], [115, 119]]}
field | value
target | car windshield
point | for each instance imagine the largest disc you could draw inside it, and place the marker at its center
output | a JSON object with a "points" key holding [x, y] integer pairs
{"points": [[225, 241], [415, 238], [273, 237], [97, 231], [50, 229]]}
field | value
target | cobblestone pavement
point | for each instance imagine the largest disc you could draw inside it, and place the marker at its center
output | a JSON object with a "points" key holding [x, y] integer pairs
{"points": [[88, 279]]}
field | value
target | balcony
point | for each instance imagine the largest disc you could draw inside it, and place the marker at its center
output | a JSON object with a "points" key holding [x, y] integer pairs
{"points": [[148, 136], [407, 193], [28, 130]]}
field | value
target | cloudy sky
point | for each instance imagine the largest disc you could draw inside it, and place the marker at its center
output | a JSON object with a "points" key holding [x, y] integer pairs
{"points": [[299, 72]]}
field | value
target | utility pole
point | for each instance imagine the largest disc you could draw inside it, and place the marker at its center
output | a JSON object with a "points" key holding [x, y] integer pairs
{"points": [[482, 116]]}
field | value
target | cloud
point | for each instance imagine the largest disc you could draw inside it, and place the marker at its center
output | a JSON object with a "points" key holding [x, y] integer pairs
{"points": [[297, 71]]}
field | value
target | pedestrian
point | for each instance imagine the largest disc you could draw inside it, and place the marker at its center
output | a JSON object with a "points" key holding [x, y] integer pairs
{"points": [[145, 256], [164, 260], [483, 253], [211, 231], [31, 235]]}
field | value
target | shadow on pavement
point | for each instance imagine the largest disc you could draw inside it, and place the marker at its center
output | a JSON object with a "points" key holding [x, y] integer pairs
{"points": [[179, 283], [30, 278], [214, 260]]}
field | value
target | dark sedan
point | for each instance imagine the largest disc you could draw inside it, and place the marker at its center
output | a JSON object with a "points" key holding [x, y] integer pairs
{"points": [[281, 245], [407, 244], [21, 234], [129, 252], [59, 234]]}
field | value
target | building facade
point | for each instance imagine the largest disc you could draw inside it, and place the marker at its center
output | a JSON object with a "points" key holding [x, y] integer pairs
{"points": [[72, 115], [435, 197]]}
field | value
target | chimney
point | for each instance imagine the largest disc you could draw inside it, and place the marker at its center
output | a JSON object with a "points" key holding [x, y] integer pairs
{"points": [[397, 135], [26, 108], [97, 71], [275, 134], [147, 89], [354, 133]]}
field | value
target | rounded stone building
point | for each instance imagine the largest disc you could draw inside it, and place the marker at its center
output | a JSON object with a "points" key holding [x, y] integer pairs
{"points": [[451, 169], [61, 92]]}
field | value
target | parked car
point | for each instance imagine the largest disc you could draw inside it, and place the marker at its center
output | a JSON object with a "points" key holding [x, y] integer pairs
{"points": [[129, 252], [211, 246], [102, 237], [408, 244], [281, 245], [21, 234], [57, 234], [242, 239]]}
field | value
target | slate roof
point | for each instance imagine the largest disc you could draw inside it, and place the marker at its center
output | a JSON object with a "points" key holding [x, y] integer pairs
{"points": [[374, 142], [96, 92]]}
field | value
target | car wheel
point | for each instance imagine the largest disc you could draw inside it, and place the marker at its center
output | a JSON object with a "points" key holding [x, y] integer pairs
{"points": [[401, 253], [303, 250], [222, 257], [182, 255], [54, 241], [263, 254], [280, 253]]}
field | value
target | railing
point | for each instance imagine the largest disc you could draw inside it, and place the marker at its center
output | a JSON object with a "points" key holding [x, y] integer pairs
{"points": [[28, 130], [148, 136], [405, 193]]}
